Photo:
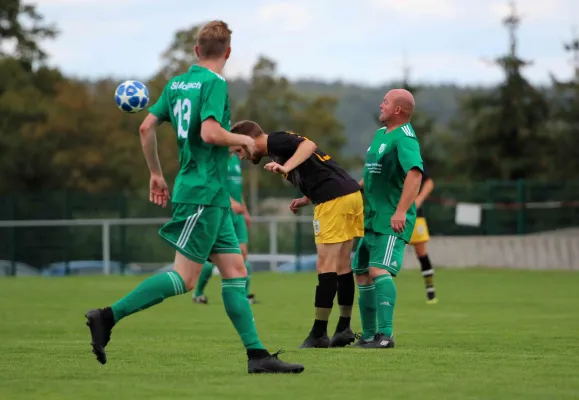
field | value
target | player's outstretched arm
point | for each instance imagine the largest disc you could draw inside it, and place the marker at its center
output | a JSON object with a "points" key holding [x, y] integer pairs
{"points": [[148, 135], [303, 152], [213, 133]]}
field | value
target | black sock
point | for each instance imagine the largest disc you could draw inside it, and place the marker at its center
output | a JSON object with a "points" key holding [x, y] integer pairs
{"points": [[346, 292], [320, 328], [108, 317], [343, 324], [428, 275], [257, 353], [325, 293]]}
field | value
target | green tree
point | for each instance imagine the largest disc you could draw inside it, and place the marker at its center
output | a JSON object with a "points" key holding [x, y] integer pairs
{"points": [[106, 137], [57, 133], [503, 130], [270, 99], [26, 90], [25, 98], [565, 119], [275, 105], [316, 119], [22, 26], [433, 153], [180, 54]]}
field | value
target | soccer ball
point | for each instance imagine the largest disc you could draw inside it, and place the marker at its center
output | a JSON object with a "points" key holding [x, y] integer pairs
{"points": [[132, 96]]}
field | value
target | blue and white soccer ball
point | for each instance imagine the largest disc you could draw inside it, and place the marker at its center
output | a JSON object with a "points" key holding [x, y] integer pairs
{"points": [[132, 96]]}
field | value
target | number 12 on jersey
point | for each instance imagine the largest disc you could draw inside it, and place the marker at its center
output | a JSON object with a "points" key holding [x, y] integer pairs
{"points": [[182, 111]]}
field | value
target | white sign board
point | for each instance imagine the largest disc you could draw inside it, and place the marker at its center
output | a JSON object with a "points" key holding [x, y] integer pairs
{"points": [[468, 214]]}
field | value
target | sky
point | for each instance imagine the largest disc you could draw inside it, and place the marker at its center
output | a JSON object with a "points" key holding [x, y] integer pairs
{"points": [[365, 42]]}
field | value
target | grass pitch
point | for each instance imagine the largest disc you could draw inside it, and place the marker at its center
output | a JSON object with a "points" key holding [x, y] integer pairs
{"points": [[493, 335]]}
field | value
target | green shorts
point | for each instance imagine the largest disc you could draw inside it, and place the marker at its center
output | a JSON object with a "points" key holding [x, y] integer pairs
{"points": [[197, 231], [240, 228], [379, 251]]}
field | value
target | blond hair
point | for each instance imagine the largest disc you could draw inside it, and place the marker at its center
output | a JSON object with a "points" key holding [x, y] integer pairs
{"points": [[213, 39]]}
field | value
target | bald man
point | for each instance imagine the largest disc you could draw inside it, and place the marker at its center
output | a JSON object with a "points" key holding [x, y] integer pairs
{"points": [[392, 178]]}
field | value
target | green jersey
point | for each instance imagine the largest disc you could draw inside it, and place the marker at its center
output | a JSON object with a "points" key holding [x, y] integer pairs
{"points": [[389, 158], [188, 100], [234, 179]]}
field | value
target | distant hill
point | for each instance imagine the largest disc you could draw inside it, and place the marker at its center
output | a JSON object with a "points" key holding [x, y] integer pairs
{"points": [[358, 105]]}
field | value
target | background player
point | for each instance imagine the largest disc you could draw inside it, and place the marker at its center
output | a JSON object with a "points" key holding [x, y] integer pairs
{"points": [[421, 236], [241, 222], [197, 105], [392, 177], [338, 219]]}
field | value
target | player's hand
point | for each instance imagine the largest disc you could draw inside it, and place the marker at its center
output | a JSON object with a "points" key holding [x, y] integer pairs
{"points": [[237, 207], [275, 168], [296, 204], [398, 221], [247, 218], [248, 146], [158, 191]]}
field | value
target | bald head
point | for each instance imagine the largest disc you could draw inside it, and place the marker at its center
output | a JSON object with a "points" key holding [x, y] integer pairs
{"points": [[402, 98], [397, 107]]}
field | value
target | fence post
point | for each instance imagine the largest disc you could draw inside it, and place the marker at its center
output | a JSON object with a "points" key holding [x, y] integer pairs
{"points": [[106, 248], [298, 244], [13, 252], [253, 188], [521, 211], [67, 215], [272, 243], [123, 229], [489, 214]]}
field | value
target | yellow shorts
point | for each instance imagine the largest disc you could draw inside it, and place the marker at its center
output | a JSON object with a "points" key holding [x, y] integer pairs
{"points": [[420, 233], [340, 219]]}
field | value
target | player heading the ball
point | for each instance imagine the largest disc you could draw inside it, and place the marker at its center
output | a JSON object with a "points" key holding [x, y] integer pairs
{"points": [[196, 104]]}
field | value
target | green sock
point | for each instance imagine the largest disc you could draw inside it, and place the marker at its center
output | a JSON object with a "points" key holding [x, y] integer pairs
{"points": [[239, 311], [151, 291], [248, 267], [385, 300], [206, 273], [367, 304]]}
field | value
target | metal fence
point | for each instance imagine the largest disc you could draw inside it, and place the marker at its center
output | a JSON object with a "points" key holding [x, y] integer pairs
{"points": [[289, 238], [286, 237], [509, 208], [38, 229]]}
